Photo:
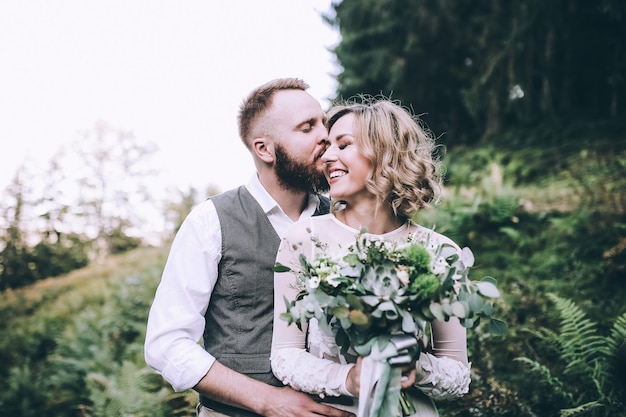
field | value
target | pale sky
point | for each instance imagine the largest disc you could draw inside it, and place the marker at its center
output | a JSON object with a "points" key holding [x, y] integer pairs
{"points": [[171, 71]]}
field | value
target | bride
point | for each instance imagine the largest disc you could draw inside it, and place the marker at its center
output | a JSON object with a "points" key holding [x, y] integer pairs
{"points": [[381, 170]]}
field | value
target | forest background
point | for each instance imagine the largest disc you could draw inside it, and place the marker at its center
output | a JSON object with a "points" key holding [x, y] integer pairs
{"points": [[529, 100]]}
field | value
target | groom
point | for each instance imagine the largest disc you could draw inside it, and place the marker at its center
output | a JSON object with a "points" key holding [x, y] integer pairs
{"points": [[218, 280]]}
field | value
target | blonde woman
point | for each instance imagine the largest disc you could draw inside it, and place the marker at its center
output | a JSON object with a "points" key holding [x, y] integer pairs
{"points": [[381, 171]]}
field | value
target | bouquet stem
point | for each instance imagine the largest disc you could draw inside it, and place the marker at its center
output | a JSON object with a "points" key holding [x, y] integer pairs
{"points": [[408, 409]]}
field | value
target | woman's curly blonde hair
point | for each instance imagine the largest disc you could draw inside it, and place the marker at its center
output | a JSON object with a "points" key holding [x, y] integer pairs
{"points": [[406, 173]]}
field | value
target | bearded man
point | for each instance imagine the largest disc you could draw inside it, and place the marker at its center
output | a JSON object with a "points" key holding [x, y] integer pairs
{"points": [[217, 284]]}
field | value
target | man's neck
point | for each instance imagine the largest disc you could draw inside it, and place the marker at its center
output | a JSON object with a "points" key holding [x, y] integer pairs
{"points": [[291, 202]]}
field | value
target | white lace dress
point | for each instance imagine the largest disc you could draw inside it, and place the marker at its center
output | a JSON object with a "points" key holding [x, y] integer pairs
{"points": [[310, 361]]}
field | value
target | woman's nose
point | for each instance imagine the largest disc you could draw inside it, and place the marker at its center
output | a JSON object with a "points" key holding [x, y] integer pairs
{"points": [[329, 155]]}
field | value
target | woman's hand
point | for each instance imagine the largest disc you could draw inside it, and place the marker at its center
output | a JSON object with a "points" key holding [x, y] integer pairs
{"points": [[353, 379], [409, 374]]}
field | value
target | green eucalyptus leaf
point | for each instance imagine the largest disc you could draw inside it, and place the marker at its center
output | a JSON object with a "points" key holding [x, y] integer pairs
{"points": [[459, 309], [351, 259], [408, 324], [278, 267], [437, 311], [464, 295], [468, 323], [467, 257], [490, 279], [365, 348], [304, 262], [287, 317], [341, 312], [476, 303], [354, 302], [345, 323], [426, 312], [488, 289], [488, 309], [497, 327], [342, 340]]}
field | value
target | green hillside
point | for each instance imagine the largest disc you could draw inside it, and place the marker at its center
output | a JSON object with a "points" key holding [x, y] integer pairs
{"points": [[73, 345]]}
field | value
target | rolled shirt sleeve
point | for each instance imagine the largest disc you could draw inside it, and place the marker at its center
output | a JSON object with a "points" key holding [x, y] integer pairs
{"points": [[176, 319]]}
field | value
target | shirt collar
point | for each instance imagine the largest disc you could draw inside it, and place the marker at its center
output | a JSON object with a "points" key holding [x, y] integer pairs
{"points": [[267, 202]]}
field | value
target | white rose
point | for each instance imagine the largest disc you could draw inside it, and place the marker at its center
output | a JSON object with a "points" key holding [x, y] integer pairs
{"points": [[314, 282], [440, 266]]}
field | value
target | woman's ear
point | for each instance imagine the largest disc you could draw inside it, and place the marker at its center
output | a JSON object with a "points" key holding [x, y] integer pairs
{"points": [[263, 148]]}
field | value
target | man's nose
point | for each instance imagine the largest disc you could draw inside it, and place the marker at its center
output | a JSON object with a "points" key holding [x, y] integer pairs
{"points": [[323, 136]]}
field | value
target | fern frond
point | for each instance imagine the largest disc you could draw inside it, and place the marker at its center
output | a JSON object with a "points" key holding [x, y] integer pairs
{"points": [[617, 336], [580, 344], [549, 337], [581, 409], [545, 376]]}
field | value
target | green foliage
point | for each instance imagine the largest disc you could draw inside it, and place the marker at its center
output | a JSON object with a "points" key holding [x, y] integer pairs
{"points": [[120, 242], [537, 238], [133, 390], [75, 345], [588, 385]]}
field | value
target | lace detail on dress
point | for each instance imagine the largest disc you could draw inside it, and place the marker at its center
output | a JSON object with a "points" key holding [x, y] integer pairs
{"points": [[304, 372], [442, 378], [322, 370], [322, 344]]}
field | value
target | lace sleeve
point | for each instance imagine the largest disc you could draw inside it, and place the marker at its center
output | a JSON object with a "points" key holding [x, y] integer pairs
{"points": [[304, 372], [442, 378], [445, 373]]}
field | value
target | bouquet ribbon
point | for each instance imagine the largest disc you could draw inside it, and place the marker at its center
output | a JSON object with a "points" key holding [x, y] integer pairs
{"points": [[381, 373]]}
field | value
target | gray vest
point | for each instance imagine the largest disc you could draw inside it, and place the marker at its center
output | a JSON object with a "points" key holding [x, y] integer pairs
{"points": [[239, 320]]}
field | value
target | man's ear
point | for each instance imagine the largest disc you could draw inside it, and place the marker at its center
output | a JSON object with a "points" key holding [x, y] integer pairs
{"points": [[263, 148]]}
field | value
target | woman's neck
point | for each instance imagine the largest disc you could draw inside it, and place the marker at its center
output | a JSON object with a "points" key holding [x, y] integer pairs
{"points": [[377, 222]]}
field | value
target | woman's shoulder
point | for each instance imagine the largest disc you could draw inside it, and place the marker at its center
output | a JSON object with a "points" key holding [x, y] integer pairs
{"points": [[420, 231]]}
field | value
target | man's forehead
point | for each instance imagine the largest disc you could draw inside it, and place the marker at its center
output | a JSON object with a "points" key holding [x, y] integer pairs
{"points": [[296, 104]]}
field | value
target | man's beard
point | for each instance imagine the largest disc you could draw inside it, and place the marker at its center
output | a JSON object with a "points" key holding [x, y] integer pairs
{"points": [[298, 176]]}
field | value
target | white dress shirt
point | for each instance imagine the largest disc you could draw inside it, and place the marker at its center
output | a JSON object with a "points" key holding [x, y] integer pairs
{"points": [[176, 320]]}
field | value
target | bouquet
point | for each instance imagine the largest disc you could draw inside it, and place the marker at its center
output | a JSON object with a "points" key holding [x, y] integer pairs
{"points": [[377, 293]]}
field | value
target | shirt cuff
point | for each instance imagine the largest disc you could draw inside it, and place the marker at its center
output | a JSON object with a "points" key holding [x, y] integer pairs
{"points": [[185, 371]]}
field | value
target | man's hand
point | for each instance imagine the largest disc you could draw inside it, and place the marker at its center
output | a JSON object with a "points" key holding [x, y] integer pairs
{"points": [[230, 387], [287, 402]]}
